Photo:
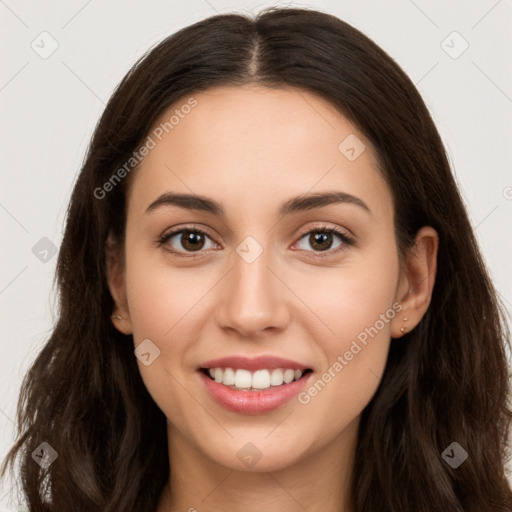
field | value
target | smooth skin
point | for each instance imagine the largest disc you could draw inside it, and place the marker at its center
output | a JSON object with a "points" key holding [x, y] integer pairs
{"points": [[251, 149]]}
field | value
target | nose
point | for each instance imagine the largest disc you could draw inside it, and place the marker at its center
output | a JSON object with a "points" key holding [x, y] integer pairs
{"points": [[254, 298]]}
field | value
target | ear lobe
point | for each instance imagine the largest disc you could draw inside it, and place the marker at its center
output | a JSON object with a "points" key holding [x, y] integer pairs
{"points": [[116, 283], [418, 278]]}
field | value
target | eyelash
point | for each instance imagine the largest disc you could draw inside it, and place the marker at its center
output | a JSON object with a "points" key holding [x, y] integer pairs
{"points": [[345, 239]]}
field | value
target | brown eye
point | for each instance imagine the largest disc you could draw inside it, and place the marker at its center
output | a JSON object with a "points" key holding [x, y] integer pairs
{"points": [[192, 240], [321, 240], [186, 241]]}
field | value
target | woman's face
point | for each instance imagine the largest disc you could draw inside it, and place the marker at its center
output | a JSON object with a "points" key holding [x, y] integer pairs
{"points": [[260, 282]]}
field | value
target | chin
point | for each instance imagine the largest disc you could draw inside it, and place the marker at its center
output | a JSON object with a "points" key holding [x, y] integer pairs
{"points": [[256, 457]]}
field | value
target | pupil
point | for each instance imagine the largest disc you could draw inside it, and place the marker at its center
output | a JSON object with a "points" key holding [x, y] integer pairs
{"points": [[321, 238], [192, 239]]}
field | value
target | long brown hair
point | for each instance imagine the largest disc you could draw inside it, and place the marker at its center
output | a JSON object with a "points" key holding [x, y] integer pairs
{"points": [[445, 382]]}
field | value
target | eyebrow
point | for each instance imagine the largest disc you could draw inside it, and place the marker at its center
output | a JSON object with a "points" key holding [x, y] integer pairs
{"points": [[293, 205]]}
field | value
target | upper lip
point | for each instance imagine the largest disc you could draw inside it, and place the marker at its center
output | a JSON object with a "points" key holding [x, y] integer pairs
{"points": [[253, 363]]}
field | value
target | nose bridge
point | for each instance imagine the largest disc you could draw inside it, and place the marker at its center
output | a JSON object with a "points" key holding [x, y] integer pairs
{"points": [[253, 296]]}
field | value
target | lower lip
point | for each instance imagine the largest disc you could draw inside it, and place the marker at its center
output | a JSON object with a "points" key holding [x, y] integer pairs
{"points": [[253, 402]]}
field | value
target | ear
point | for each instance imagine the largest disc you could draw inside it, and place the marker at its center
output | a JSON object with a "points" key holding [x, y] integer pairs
{"points": [[416, 281], [116, 283]]}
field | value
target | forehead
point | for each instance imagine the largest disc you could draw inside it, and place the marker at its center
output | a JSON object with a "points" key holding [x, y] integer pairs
{"points": [[252, 145]]}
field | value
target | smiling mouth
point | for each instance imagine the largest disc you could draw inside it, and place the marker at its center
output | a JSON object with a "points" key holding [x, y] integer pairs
{"points": [[259, 380]]}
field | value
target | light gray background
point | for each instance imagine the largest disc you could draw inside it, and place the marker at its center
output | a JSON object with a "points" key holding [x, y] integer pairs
{"points": [[51, 105]]}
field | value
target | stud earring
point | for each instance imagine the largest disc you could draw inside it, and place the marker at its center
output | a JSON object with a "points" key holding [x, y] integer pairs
{"points": [[402, 329], [116, 317]]}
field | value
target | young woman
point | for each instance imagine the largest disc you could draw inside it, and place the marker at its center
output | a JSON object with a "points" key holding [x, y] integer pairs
{"points": [[271, 297]]}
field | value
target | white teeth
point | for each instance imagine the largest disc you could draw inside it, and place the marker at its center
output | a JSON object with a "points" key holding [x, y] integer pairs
{"points": [[228, 377], [260, 379], [276, 379], [289, 375], [242, 378]]}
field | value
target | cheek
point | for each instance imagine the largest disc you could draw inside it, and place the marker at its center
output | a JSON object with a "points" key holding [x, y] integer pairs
{"points": [[166, 306], [357, 307], [357, 297], [162, 299], [162, 309]]}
